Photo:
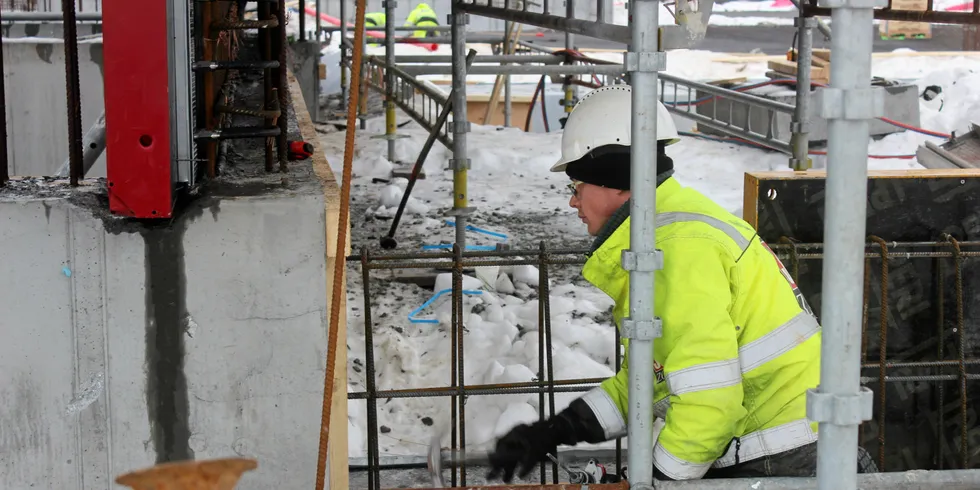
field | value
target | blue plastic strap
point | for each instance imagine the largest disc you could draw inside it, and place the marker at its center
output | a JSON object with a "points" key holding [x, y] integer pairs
{"points": [[411, 316], [468, 247], [479, 230]]}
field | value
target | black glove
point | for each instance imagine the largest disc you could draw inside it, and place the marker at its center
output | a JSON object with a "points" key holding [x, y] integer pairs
{"points": [[525, 445]]}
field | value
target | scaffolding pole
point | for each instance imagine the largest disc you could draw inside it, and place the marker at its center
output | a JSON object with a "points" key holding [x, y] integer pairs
{"points": [[459, 163], [839, 404], [517, 69], [390, 124], [800, 140], [508, 101], [641, 326], [343, 55]]}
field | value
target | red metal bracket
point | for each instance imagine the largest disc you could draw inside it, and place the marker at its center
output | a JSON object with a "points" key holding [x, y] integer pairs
{"points": [[137, 106]]}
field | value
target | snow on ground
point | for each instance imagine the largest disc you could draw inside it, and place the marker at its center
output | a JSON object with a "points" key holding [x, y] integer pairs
{"points": [[515, 194]]}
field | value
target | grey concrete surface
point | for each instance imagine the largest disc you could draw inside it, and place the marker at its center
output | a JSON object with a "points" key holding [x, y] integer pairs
{"points": [[128, 343], [36, 102]]}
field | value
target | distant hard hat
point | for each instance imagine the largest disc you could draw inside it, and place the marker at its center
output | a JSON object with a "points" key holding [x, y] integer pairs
{"points": [[603, 117]]}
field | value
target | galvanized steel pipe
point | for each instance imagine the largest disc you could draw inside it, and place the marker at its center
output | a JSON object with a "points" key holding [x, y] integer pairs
{"points": [[800, 141], [460, 162], [495, 58], [840, 404], [390, 125], [344, 45], [908, 480], [641, 326], [609, 32], [416, 70]]}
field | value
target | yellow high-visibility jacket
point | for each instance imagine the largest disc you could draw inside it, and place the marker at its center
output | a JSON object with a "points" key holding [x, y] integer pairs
{"points": [[422, 15], [740, 346], [374, 19]]}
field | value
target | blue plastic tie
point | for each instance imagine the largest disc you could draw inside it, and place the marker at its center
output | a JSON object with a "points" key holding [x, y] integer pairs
{"points": [[479, 230], [468, 247], [411, 316]]}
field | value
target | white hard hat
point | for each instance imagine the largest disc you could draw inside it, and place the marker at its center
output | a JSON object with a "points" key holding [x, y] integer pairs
{"points": [[603, 117]]}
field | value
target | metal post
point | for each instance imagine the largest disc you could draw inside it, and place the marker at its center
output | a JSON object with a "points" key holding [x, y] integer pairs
{"points": [[839, 404], [365, 69], [4, 163], [74, 92], [800, 140], [390, 125], [316, 66], [569, 101], [460, 126], [302, 20], [343, 54], [93, 144], [507, 94], [643, 61]]}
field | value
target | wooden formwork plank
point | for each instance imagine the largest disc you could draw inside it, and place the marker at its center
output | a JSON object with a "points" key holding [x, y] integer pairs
{"points": [[337, 459]]}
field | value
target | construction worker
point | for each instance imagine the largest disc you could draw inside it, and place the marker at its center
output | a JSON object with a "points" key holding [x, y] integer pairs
{"points": [[374, 19], [739, 349], [421, 16]]}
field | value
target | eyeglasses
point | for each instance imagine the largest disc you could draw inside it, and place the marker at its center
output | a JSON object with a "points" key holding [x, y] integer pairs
{"points": [[573, 186]]}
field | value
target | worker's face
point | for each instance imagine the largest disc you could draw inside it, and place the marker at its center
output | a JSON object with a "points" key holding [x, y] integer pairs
{"points": [[595, 204]]}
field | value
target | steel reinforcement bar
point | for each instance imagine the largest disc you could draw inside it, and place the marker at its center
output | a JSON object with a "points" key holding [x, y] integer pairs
{"points": [[881, 372]]}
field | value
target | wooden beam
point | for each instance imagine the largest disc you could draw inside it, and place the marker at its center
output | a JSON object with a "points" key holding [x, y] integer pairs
{"points": [[337, 462]]}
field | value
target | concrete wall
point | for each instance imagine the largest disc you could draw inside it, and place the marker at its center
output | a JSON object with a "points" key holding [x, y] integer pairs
{"points": [[125, 347], [37, 104]]}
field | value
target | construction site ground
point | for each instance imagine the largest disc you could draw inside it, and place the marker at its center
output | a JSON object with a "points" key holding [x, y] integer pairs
{"points": [[514, 194]]}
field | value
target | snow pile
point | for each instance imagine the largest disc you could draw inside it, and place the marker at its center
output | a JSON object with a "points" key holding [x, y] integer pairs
{"points": [[510, 178], [501, 346]]}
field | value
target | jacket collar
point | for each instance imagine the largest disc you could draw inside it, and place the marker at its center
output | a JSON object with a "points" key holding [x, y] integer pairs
{"points": [[604, 268]]}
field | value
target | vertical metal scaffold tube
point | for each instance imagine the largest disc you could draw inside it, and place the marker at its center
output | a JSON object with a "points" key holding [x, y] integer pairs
{"points": [[840, 404], [390, 126], [302, 20], [283, 89], [4, 168], [74, 92], [460, 163], [643, 61], [344, 80], [800, 141], [507, 87]]}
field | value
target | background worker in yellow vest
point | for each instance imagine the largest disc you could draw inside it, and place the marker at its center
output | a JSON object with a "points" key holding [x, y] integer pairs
{"points": [[374, 20], [422, 15], [739, 346]]}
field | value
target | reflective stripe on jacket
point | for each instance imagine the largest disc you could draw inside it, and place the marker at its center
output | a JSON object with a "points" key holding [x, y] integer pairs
{"points": [[739, 350]]}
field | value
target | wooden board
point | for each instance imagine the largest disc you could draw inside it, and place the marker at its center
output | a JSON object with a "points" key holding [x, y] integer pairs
{"points": [[818, 73], [338, 475], [902, 206]]}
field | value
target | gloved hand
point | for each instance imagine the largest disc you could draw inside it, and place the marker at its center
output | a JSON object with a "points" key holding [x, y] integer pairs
{"points": [[524, 446]]}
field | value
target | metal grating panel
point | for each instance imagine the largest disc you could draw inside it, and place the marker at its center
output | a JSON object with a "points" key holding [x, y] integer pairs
{"points": [[183, 97]]}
